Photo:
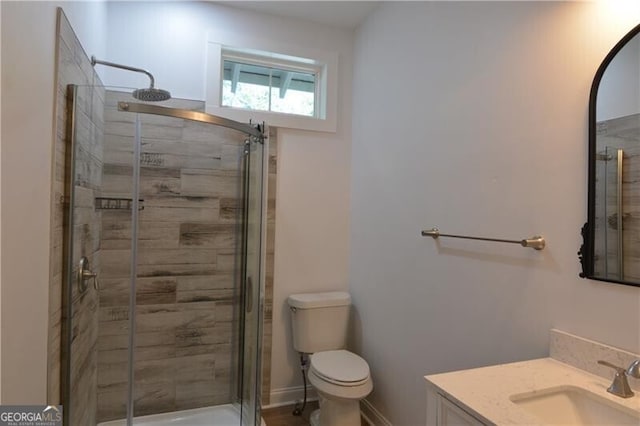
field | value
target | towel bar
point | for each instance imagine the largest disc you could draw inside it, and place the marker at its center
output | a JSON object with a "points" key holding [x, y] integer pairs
{"points": [[536, 242]]}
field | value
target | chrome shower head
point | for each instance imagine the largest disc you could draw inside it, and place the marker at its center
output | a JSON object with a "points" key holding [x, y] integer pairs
{"points": [[150, 94]]}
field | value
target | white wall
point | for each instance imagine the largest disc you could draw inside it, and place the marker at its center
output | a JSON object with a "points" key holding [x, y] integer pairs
{"points": [[28, 47], [312, 229], [473, 117]]}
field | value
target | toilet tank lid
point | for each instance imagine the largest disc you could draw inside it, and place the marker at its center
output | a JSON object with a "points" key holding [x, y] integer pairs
{"points": [[319, 300]]}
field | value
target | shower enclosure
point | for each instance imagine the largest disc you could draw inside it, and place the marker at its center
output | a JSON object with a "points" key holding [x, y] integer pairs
{"points": [[162, 296]]}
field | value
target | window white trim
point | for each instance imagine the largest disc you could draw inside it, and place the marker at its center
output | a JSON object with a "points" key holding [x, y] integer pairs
{"points": [[326, 62]]}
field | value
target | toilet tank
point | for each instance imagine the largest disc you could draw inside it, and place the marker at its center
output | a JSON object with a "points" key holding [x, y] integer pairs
{"points": [[319, 320]]}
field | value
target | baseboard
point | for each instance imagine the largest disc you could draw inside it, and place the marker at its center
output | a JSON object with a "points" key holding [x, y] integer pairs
{"points": [[288, 396], [372, 416]]}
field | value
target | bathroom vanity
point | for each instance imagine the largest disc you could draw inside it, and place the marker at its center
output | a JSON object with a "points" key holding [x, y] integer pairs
{"points": [[569, 387]]}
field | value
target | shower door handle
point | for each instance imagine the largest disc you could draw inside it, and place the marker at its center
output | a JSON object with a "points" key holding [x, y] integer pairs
{"points": [[249, 293], [85, 274]]}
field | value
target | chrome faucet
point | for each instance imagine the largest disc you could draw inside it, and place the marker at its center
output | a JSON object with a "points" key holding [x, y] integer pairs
{"points": [[620, 386]]}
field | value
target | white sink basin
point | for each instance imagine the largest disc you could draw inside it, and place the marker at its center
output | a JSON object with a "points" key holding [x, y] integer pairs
{"points": [[569, 405]]}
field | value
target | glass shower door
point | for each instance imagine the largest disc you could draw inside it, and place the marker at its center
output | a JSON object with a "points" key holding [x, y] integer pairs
{"points": [[253, 297], [168, 212]]}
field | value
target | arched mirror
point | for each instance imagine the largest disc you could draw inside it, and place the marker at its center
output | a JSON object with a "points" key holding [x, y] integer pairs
{"points": [[611, 249]]}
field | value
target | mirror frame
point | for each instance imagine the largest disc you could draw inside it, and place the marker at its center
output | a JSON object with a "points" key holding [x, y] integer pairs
{"points": [[587, 250]]}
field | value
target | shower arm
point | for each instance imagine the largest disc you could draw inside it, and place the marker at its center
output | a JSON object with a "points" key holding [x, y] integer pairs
{"points": [[95, 61]]}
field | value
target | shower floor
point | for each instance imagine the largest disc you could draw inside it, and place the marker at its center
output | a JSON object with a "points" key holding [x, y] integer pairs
{"points": [[220, 415]]}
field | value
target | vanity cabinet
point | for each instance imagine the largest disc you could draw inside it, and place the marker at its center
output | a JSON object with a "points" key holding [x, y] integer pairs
{"points": [[536, 391], [442, 411]]}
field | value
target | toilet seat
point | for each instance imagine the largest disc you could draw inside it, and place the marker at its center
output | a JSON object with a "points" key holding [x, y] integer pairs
{"points": [[340, 367]]}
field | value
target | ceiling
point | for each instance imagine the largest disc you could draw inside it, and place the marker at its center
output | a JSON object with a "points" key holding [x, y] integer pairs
{"points": [[342, 14]]}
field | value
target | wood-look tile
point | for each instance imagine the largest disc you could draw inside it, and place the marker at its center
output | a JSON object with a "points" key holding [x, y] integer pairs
{"points": [[156, 290], [209, 183], [156, 318], [160, 371], [161, 121], [196, 315], [151, 256], [232, 156], [112, 405], [114, 328], [195, 368], [202, 132], [112, 375], [226, 261], [115, 263], [116, 233], [154, 398], [215, 295], [194, 202], [113, 298], [118, 128], [160, 185], [213, 235], [187, 150], [189, 338], [231, 209], [114, 313], [199, 393], [121, 341], [177, 270], [178, 214], [225, 311], [161, 131], [206, 282]]}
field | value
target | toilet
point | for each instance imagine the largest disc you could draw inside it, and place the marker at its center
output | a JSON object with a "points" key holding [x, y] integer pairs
{"points": [[341, 378]]}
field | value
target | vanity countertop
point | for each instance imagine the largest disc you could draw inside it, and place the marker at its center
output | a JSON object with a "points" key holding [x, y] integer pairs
{"points": [[486, 390]]}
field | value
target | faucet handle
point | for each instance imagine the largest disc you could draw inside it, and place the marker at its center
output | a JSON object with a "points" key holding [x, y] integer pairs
{"points": [[634, 369], [619, 370], [620, 386]]}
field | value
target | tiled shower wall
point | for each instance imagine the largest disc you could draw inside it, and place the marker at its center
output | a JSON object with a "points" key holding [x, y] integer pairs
{"points": [[187, 265], [619, 133], [73, 67]]}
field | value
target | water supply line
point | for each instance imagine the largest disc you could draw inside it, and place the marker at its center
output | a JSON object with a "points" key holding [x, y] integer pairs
{"points": [[299, 409]]}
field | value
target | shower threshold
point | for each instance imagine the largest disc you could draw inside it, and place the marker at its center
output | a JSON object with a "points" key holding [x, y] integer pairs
{"points": [[219, 415]]}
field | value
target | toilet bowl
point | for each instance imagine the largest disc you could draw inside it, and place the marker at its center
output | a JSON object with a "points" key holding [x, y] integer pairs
{"points": [[341, 379]]}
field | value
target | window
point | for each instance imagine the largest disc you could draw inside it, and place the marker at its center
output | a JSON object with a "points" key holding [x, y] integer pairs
{"points": [[264, 88], [283, 85]]}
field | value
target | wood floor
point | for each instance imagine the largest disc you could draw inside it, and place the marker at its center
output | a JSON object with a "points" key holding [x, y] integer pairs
{"points": [[281, 416]]}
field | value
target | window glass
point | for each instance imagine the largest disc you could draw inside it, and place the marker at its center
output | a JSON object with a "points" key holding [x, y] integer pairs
{"points": [[264, 88]]}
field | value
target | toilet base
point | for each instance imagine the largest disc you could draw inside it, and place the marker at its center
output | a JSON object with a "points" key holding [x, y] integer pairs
{"points": [[336, 412], [314, 418]]}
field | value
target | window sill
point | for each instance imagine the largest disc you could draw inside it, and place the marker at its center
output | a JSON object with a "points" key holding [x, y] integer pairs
{"points": [[274, 119]]}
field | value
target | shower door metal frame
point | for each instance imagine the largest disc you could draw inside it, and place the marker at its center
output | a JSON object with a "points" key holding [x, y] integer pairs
{"points": [[257, 134], [190, 115], [67, 269], [247, 306]]}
